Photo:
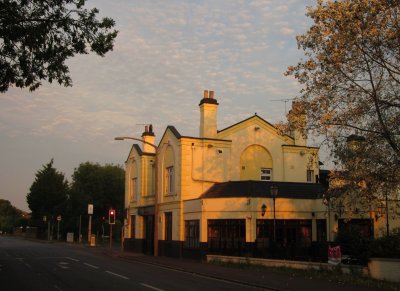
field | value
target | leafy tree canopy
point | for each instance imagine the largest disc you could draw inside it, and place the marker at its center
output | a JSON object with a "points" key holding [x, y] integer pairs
{"points": [[37, 37], [351, 87], [9, 216], [102, 186], [48, 193]]}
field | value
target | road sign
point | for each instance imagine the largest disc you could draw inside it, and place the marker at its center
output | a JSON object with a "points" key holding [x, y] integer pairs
{"points": [[90, 208], [59, 218]]}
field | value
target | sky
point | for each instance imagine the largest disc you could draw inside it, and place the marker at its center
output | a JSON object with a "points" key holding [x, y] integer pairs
{"points": [[166, 53]]}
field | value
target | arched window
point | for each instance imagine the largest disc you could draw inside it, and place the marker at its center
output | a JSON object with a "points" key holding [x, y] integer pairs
{"points": [[169, 171], [133, 187], [256, 164]]}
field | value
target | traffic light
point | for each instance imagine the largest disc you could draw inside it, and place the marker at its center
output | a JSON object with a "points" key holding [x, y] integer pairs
{"points": [[111, 216]]}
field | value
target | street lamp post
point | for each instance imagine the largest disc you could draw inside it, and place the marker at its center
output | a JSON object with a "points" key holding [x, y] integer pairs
{"points": [[387, 213], [274, 194], [327, 201], [156, 189]]}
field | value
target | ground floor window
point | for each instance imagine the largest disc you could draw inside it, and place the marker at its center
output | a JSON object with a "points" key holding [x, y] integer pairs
{"points": [[226, 233], [192, 238], [287, 231], [133, 226]]}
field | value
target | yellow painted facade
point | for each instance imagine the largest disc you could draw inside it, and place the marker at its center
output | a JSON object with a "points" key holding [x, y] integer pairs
{"points": [[187, 167]]}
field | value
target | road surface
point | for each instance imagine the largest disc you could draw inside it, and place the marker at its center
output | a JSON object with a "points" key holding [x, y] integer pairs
{"points": [[33, 265]]}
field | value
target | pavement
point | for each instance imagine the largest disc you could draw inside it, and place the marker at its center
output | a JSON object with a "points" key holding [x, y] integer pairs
{"points": [[268, 279]]}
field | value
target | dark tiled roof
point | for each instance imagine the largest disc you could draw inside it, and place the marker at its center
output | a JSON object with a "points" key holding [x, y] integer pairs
{"points": [[262, 189]]}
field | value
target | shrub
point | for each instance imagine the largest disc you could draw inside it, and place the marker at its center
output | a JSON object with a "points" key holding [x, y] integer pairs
{"points": [[353, 244], [387, 246]]}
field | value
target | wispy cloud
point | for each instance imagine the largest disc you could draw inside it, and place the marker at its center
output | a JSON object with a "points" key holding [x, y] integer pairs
{"points": [[166, 53]]}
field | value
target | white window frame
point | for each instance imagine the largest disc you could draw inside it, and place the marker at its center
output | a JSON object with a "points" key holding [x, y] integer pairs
{"points": [[169, 180], [266, 174]]}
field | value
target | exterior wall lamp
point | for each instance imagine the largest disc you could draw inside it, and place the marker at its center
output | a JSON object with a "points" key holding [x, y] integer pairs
{"points": [[263, 209]]}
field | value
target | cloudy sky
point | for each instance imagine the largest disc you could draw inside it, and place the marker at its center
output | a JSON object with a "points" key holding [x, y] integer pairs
{"points": [[167, 52]]}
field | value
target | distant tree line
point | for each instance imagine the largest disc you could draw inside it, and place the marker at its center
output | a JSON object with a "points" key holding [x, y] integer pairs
{"points": [[10, 217], [52, 196]]}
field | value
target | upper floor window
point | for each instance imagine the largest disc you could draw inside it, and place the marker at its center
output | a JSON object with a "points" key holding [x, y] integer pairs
{"points": [[134, 192], [169, 180], [266, 174], [310, 176]]}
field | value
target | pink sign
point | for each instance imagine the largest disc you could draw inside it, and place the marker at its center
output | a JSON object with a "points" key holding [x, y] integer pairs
{"points": [[334, 255]]}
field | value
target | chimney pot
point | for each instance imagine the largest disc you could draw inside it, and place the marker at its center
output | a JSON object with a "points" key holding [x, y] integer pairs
{"points": [[146, 128], [212, 94], [205, 93]]}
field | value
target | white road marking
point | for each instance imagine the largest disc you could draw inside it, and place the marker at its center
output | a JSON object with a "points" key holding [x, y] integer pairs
{"points": [[118, 275], [27, 265], [72, 259], [63, 265], [58, 288], [151, 287], [89, 265]]}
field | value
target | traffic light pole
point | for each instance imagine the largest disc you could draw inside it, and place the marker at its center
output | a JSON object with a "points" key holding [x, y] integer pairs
{"points": [[89, 228], [111, 235]]}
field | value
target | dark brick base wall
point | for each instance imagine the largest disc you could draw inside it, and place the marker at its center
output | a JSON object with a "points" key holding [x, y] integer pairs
{"points": [[134, 245], [170, 248]]}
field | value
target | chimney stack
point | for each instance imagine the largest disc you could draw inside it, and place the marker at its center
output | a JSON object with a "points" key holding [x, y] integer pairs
{"points": [[149, 137], [208, 115]]}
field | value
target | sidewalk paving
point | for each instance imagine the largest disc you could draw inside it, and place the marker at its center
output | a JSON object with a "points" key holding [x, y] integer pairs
{"points": [[261, 278]]}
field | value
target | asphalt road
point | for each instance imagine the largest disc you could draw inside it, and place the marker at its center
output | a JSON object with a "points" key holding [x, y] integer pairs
{"points": [[32, 265]]}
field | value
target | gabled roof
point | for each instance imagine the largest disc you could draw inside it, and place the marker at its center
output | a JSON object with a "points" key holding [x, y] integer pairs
{"points": [[174, 131], [179, 136], [252, 117], [291, 190], [139, 151]]}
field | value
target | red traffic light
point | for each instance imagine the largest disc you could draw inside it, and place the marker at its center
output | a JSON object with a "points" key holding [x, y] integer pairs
{"points": [[111, 216]]}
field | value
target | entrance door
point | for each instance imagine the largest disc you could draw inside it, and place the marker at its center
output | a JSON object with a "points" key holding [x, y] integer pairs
{"points": [[148, 247]]}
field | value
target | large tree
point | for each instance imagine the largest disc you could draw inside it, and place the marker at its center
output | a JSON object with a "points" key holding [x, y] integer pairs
{"points": [[102, 186], [37, 37], [351, 91], [48, 194]]}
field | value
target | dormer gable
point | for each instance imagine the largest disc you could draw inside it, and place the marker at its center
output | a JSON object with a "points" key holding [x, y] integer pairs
{"points": [[255, 123]]}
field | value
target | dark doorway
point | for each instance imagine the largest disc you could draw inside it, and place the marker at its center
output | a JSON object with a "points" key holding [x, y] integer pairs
{"points": [[148, 247]]}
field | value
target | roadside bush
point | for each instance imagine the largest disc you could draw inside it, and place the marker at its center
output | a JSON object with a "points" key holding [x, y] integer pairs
{"points": [[386, 246], [353, 244]]}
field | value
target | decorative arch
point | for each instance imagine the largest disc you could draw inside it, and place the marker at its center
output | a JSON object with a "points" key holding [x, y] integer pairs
{"points": [[255, 163], [169, 170]]}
